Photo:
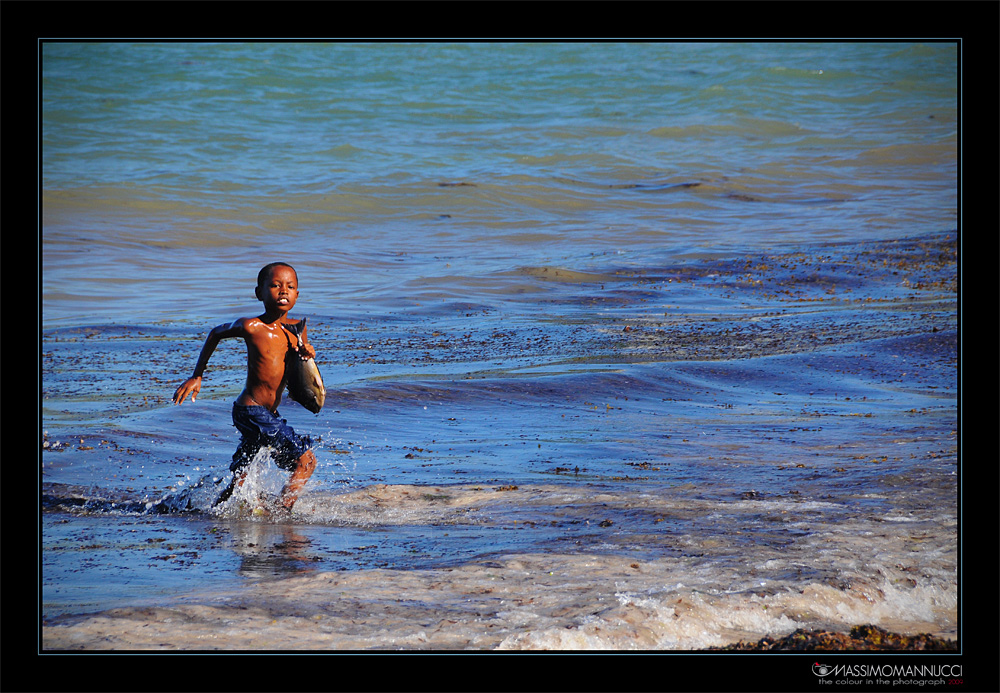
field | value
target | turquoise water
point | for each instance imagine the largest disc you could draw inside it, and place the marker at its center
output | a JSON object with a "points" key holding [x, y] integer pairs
{"points": [[350, 157], [693, 305]]}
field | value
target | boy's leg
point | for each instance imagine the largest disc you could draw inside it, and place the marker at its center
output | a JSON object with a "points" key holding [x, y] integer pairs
{"points": [[238, 478], [304, 467]]}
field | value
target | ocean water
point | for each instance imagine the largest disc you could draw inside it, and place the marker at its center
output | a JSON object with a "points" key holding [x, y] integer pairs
{"points": [[627, 345]]}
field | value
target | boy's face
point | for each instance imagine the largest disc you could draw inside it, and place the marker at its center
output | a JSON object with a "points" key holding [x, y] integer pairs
{"points": [[280, 289]]}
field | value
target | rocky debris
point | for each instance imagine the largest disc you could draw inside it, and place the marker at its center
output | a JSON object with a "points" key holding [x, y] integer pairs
{"points": [[865, 637]]}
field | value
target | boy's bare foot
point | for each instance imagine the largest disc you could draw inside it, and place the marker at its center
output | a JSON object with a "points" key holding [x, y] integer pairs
{"points": [[273, 511]]}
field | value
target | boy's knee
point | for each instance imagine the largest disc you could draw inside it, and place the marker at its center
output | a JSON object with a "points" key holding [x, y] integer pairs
{"points": [[307, 463]]}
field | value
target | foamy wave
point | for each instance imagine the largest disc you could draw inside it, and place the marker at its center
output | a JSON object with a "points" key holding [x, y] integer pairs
{"points": [[693, 621], [536, 601]]}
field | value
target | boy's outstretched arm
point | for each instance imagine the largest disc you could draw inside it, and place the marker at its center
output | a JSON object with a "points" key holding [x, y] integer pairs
{"points": [[192, 385]]}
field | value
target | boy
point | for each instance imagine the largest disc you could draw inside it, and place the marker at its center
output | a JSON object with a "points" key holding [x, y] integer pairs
{"points": [[255, 412]]}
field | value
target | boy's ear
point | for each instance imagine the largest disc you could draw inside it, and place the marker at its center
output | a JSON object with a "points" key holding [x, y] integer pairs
{"points": [[256, 292]]}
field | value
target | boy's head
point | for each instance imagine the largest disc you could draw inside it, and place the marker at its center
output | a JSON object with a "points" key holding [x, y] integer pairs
{"points": [[265, 272], [277, 286]]}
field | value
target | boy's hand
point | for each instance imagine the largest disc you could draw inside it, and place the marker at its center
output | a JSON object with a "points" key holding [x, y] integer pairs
{"points": [[190, 386], [306, 351]]}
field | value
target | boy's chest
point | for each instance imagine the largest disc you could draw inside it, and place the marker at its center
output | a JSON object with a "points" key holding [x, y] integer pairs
{"points": [[268, 343]]}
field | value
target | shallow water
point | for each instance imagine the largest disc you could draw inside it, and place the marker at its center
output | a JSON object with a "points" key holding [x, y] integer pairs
{"points": [[739, 464], [654, 358]]}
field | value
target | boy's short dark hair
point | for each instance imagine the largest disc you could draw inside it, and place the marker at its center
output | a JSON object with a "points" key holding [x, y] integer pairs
{"points": [[266, 270]]}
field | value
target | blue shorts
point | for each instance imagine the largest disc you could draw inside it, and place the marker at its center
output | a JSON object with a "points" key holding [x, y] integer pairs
{"points": [[260, 428]]}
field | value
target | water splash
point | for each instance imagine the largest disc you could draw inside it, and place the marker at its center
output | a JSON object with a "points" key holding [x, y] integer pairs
{"points": [[261, 489], [258, 493]]}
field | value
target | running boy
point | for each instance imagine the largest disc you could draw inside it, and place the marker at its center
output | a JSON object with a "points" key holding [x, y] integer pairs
{"points": [[255, 412]]}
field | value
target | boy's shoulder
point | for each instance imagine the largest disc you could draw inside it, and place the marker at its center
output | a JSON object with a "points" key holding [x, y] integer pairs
{"points": [[245, 326], [256, 323]]}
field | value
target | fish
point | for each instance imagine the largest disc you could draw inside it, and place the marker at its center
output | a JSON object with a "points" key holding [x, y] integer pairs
{"points": [[305, 384]]}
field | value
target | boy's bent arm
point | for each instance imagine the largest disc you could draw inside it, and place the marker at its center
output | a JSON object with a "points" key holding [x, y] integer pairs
{"points": [[192, 385], [305, 347]]}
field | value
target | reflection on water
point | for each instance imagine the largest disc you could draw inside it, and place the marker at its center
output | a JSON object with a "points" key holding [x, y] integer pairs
{"points": [[269, 550]]}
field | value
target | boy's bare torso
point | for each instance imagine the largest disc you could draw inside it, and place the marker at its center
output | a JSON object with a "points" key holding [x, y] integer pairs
{"points": [[267, 342], [267, 346]]}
